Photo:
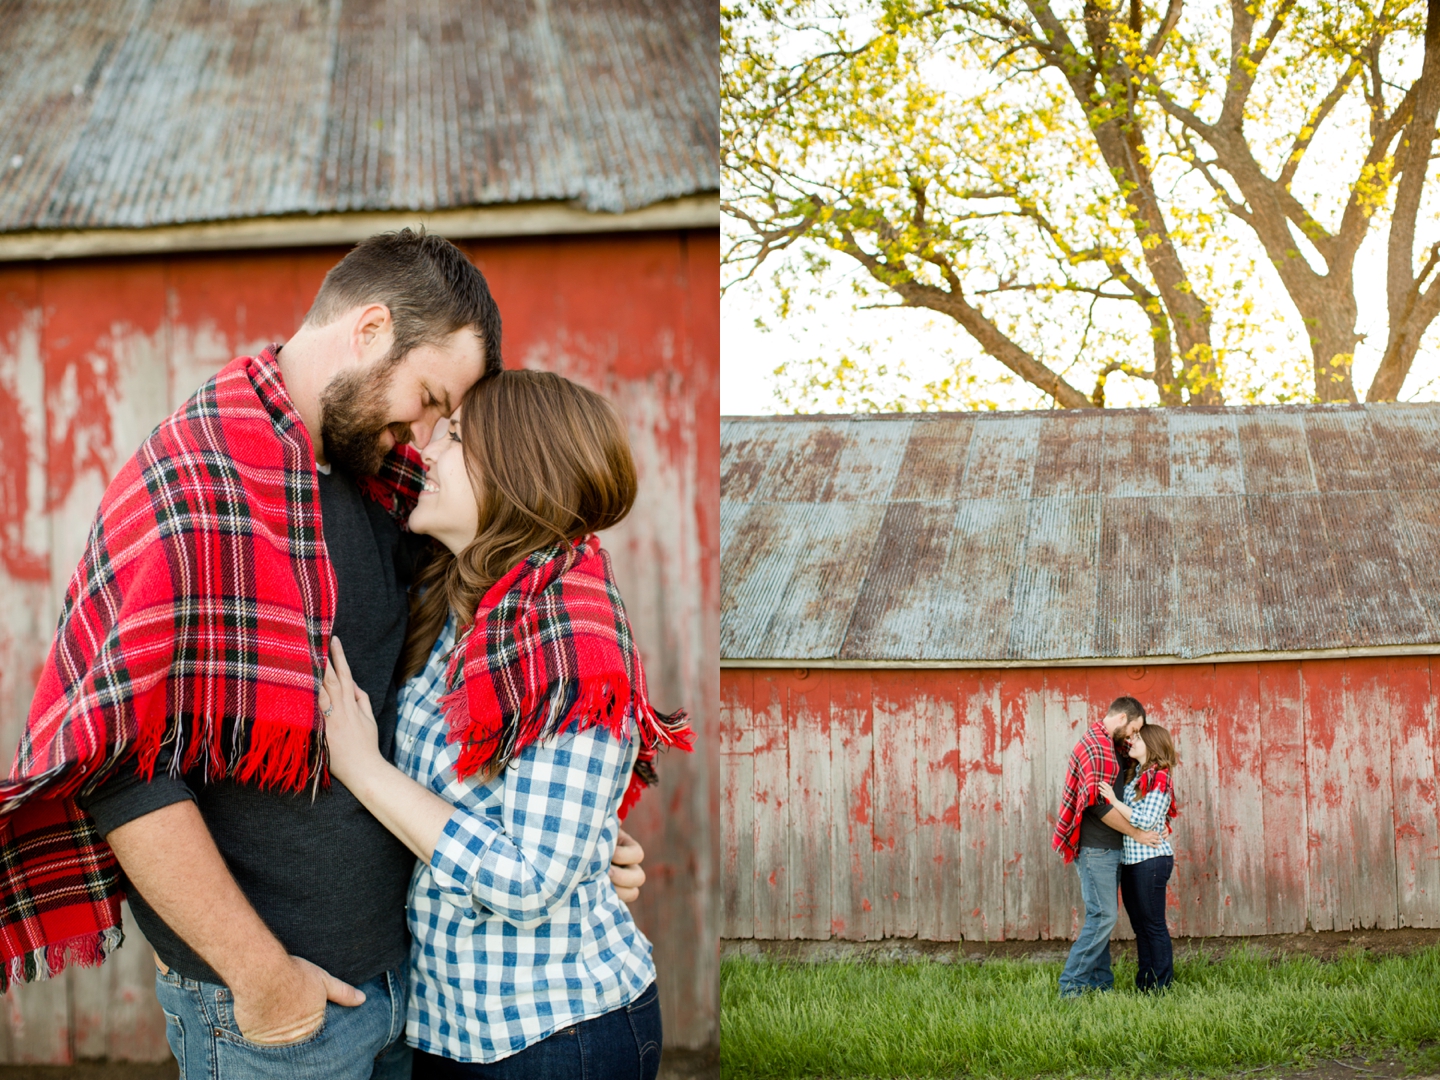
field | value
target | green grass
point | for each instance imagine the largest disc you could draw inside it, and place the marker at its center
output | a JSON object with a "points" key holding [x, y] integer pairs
{"points": [[1005, 1018]]}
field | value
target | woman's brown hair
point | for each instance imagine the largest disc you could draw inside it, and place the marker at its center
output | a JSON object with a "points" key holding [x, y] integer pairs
{"points": [[549, 462], [1159, 750]]}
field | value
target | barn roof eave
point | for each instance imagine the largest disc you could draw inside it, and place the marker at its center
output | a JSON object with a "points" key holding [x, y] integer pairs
{"points": [[700, 211], [960, 663]]}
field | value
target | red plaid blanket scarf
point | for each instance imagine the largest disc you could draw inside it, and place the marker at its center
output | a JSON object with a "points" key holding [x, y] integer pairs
{"points": [[1092, 761], [1155, 778], [551, 651], [198, 618]]}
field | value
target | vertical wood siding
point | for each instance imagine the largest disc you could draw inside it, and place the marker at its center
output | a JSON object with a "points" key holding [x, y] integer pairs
{"points": [[94, 353], [1306, 788]]}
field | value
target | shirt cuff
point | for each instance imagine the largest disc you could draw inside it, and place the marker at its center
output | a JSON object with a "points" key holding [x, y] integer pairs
{"points": [[455, 862]]}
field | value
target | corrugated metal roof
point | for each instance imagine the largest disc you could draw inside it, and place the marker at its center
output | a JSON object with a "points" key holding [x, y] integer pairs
{"points": [[155, 112], [1074, 535]]}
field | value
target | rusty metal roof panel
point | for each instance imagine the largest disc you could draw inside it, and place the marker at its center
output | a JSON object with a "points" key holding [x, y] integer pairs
{"points": [[1055, 590], [1067, 457], [811, 613], [1001, 461], [935, 457], [1204, 454], [1135, 454], [1215, 602], [974, 604], [142, 113], [906, 580], [1027, 537], [1136, 585]]}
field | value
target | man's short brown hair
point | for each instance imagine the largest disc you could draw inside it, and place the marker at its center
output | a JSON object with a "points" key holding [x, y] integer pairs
{"points": [[1127, 707], [428, 284]]}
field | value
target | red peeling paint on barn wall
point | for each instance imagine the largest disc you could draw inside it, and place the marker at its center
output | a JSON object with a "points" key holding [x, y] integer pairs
{"points": [[94, 353], [1307, 793]]}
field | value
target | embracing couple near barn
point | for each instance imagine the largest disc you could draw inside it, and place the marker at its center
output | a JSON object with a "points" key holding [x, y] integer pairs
{"points": [[344, 699], [1114, 839]]}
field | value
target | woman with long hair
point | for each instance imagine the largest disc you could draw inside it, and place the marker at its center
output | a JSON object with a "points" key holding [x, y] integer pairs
{"points": [[525, 734], [1148, 803]]}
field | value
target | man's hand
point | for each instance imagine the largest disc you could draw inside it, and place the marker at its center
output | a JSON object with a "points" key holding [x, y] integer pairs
{"points": [[1148, 837], [625, 872], [291, 1007]]}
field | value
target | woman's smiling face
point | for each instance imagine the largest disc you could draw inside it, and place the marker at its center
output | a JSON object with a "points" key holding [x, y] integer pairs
{"points": [[1137, 748], [447, 508]]}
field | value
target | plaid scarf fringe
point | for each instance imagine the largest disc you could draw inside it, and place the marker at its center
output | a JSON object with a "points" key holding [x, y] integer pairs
{"points": [[540, 660], [50, 960]]}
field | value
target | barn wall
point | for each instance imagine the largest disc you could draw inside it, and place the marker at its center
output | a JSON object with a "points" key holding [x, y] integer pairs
{"points": [[920, 803], [94, 353]]}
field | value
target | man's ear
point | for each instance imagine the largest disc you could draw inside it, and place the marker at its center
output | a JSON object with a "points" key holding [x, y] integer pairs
{"points": [[371, 328]]}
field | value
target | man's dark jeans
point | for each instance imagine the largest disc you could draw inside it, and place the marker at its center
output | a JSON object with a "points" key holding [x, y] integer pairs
{"points": [[1142, 886], [621, 1045]]}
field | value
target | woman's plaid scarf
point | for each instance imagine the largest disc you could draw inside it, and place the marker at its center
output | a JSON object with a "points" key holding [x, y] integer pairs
{"points": [[1155, 778], [551, 651], [198, 619]]}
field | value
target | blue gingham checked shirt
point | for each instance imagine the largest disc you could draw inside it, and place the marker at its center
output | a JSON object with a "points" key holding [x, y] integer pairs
{"points": [[1147, 813], [517, 930]]}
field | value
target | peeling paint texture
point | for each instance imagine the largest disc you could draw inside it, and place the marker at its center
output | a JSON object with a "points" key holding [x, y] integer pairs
{"points": [[1086, 535], [139, 113]]}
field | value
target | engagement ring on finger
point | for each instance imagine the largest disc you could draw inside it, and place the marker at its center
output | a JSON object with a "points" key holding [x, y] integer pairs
{"points": [[326, 712]]}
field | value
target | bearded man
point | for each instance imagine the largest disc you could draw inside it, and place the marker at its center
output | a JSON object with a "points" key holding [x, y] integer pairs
{"points": [[177, 716]]}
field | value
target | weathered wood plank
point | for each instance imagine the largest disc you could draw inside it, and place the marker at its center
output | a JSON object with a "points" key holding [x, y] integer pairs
{"points": [[895, 786], [1327, 781], [737, 805], [1068, 711], [115, 1016], [982, 848], [29, 610], [937, 807], [1026, 819], [1240, 798], [1370, 800], [853, 913], [1184, 704], [36, 1024], [770, 760], [808, 727], [1412, 765], [1283, 799]]}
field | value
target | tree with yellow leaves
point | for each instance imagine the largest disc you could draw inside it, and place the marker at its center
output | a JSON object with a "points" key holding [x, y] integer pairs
{"points": [[1017, 165]]}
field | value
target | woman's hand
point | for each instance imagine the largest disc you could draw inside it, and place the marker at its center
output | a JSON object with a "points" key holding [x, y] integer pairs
{"points": [[350, 729], [1108, 792], [625, 872]]}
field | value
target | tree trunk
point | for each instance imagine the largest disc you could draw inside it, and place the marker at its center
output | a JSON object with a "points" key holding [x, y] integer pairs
{"points": [[1410, 312]]}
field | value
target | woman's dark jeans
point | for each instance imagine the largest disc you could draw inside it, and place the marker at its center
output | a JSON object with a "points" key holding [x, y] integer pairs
{"points": [[621, 1045], [1142, 887]]}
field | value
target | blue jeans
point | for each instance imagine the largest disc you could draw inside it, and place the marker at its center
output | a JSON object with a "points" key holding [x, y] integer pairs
{"points": [[366, 1042], [1088, 967], [621, 1045], [1142, 886]]}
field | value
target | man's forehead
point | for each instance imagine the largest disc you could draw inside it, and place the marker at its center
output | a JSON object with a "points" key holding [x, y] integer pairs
{"points": [[449, 368]]}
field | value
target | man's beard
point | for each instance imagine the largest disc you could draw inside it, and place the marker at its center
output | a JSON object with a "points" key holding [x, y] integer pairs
{"points": [[352, 420]]}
